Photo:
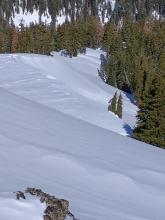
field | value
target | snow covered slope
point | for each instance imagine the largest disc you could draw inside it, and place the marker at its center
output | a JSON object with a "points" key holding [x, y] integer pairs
{"points": [[45, 143], [21, 15], [68, 85]]}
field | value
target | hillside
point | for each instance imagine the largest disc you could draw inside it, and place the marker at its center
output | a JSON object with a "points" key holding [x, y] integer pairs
{"points": [[57, 12], [56, 134], [66, 85]]}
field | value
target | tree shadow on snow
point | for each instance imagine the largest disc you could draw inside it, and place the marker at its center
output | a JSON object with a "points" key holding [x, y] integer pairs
{"points": [[130, 97], [128, 129]]}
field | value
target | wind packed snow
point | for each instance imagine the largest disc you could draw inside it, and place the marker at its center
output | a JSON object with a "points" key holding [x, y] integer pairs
{"points": [[56, 134]]}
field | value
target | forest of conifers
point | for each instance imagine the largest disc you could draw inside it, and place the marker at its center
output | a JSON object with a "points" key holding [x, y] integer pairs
{"points": [[134, 39]]}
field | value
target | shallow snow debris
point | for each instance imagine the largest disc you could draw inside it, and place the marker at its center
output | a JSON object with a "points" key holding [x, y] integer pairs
{"points": [[57, 209]]}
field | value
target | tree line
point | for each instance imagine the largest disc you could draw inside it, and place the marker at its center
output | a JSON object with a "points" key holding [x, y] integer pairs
{"points": [[136, 64], [83, 8], [70, 8], [42, 39]]}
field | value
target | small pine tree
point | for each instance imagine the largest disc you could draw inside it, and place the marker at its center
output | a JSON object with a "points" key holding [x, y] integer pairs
{"points": [[112, 106], [119, 110]]}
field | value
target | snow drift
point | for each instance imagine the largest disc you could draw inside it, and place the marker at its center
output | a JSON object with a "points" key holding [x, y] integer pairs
{"points": [[56, 134]]}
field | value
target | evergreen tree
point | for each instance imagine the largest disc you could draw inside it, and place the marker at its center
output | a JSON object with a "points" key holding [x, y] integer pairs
{"points": [[119, 110], [113, 103], [14, 40], [151, 116]]}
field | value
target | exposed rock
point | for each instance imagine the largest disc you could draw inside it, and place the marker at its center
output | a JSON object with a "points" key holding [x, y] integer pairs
{"points": [[56, 209], [47, 217], [20, 195]]}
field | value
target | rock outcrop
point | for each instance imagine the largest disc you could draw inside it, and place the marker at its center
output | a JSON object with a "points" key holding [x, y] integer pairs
{"points": [[56, 209]]}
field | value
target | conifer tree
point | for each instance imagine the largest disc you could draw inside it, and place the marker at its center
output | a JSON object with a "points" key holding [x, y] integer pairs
{"points": [[1, 42], [112, 105], [119, 110], [14, 40], [151, 116]]}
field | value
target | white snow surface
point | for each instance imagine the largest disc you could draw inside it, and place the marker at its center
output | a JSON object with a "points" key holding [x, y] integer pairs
{"points": [[57, 135], [68, 85]]}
